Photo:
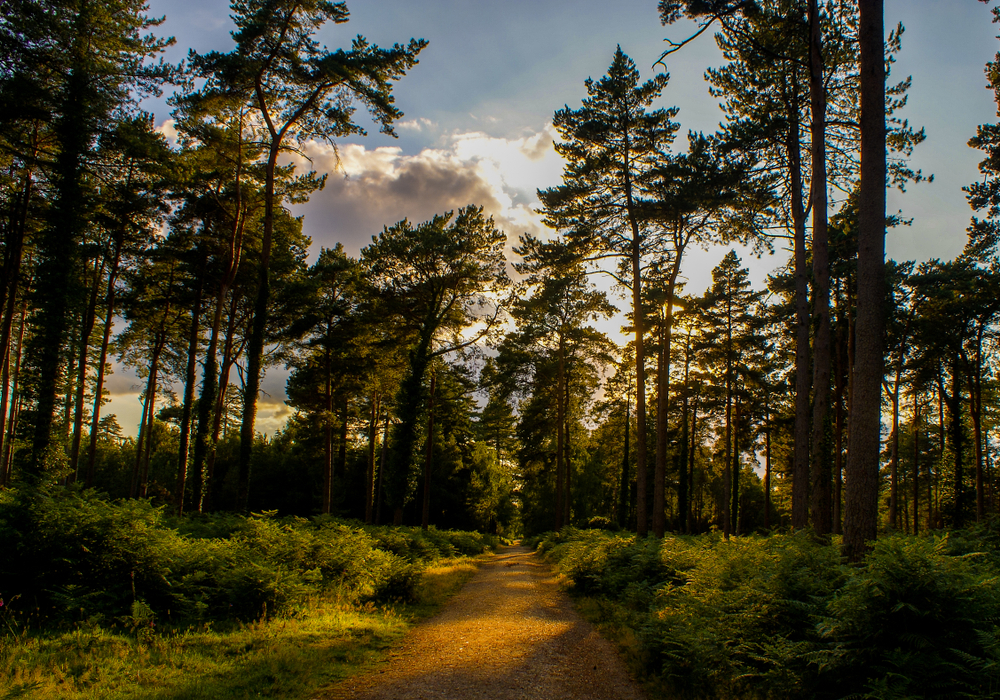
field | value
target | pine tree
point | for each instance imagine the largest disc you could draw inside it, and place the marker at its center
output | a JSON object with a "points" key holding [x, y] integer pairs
{"points": [[610, 143]]}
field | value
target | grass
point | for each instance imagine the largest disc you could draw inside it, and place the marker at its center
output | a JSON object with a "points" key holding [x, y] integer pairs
{"points": [[294, 656]]}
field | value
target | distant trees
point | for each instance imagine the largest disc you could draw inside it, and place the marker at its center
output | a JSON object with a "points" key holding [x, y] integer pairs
{"points": [[433, 282], [415, 359], [610, 145], [300, 91]]}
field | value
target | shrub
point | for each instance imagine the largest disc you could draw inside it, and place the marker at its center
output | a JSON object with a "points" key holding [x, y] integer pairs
{"points": [[912, 621], [72, 555], [783, 617]]}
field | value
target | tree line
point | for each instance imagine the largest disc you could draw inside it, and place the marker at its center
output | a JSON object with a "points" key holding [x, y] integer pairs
{"points": [[427, 385]]}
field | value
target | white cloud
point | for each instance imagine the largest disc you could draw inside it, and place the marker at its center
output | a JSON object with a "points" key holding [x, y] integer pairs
{"points": [[416, 124], [169, 130]]}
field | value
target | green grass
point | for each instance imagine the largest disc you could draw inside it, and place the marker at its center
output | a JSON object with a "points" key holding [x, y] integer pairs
{"points": [[294, 656]]}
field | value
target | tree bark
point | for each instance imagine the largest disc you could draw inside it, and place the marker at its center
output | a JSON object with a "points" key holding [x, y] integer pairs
{"points": [[13, 258], [641, 512], [370, 475], [894, 459], [145, 426], [683, 485], [58, 253], [820, 441], [425, 520], [560, 435], [327, 424], [206, 402], [109, 315], [190, 377], [566, 456], [624, 483], [6, 456], [735, 503], [957, 441], [691, 457], [381, 470], [861, 516], [767, 472], [803, 380], [89, 319], [916, 462]]}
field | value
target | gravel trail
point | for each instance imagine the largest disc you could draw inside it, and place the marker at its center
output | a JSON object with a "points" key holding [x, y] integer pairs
{"points": [[509, 633]]}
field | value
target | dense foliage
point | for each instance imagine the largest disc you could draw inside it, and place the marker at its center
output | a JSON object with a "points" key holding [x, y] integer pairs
{"points": [[72, 556], [783, 617]]}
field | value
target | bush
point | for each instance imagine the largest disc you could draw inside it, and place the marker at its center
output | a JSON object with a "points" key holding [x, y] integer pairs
{"points": [[783, 617], [72, 555]]}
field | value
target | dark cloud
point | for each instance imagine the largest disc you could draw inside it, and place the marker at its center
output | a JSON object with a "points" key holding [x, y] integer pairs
{"points": [[354, 207]]}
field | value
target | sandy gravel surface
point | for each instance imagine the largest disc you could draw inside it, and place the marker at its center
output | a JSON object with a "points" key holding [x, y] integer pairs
{"points": [[510, 633]]}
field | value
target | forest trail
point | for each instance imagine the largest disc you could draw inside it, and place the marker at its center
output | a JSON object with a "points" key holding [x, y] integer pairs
{"points": [[509, 633]]}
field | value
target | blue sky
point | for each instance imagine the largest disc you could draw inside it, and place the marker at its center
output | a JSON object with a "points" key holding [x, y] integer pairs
{"points": [[494, 72], [479, 104]]}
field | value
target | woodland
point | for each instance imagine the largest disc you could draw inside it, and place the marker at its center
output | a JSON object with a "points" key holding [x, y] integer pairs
{"points": [[798, 450]]}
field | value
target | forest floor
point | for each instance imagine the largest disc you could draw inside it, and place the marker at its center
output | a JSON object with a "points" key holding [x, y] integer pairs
{"points": [[510, 633]]}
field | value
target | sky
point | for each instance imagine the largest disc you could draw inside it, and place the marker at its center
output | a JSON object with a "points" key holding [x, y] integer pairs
{"points": [[478, 110]]}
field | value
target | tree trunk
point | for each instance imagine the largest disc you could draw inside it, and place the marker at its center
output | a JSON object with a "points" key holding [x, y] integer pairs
{"points": [[735, 517], [58, 250], [190, 377], [150, 431], [381, 470], [145, 425], [767, 472], [691, 458], [327, 425], [6, 456], [840, 388], [229, 355], [894, 459], [567, 459], [641, 512], [957, 442], [13, 258], [727, 478], [682, 471], [861, 516], [916, 462], [976, 413], [560, 435], [820, 442], [370, 475], [109, 315], [800, 442], [425, 520], [206, 401], [660, 461], [89, 318], [255, 345], [623, 485], [342, 455]]}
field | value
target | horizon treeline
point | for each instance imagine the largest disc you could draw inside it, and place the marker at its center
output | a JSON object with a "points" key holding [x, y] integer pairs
{"points": [[427, 385]]}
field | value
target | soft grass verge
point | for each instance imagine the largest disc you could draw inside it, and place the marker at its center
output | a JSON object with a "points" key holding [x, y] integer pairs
{"points": [[295, 656]]}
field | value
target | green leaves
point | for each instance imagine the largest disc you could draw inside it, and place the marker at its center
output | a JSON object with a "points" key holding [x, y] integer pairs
{"points": [[782, 617]]}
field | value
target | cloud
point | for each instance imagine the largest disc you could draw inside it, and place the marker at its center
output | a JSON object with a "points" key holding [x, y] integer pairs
{"points": [[370, 189], [169, 131], [416, 124]]}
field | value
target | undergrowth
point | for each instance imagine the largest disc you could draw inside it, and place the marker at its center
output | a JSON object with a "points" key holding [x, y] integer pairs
{"points": [[115, 600], [783, 616]]}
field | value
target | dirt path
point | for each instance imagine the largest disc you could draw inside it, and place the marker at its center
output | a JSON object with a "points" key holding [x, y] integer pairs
{"points": [[510, 633]]}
